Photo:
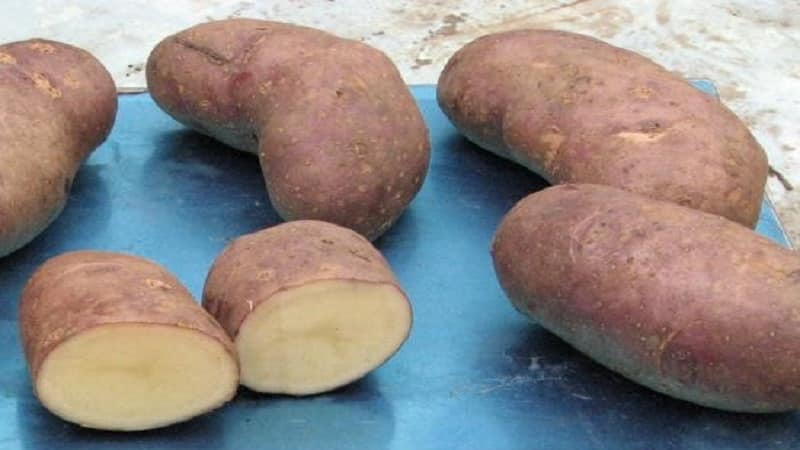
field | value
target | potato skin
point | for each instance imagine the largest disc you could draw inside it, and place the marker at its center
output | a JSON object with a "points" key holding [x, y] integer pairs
{"points": [[256, 266], [57, 103], [577, 110], [687, 303], [336, 129], [76, 291]]}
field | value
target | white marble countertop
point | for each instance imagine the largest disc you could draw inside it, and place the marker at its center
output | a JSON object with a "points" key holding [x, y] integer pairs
{"points": [[751, 50]]}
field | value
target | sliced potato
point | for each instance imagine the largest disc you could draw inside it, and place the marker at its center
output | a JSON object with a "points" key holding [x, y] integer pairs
{"points": [[312, 306], [114, 342]]}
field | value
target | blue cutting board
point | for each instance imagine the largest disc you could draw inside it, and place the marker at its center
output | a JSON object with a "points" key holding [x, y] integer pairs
{"points": [[473, 375]]}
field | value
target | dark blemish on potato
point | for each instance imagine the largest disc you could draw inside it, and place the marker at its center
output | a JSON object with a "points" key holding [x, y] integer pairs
{"points": [[267, 274], [359, 255], [327, 241], [67, 185], [241, 77]]}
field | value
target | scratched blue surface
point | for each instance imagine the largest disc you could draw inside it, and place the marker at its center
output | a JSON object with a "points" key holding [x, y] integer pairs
{"points": [[473, 375]]}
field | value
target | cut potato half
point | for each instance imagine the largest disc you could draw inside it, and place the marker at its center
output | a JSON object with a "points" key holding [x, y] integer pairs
{"points": [[317, 337], [136, 376], [311, 306], [116, 342]]}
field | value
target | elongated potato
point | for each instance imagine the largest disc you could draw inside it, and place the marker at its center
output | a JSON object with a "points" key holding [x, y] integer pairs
{"points": [[336, 129], [57, 103], [577, 110], [311, 306], [115, 342], [684, 302]]}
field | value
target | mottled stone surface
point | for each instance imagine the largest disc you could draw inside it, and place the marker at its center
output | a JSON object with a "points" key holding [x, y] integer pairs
{"points": [[750, 49]]}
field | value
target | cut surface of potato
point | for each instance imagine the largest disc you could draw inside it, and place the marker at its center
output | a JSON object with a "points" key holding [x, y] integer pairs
{"points": [[135, 376], [313, 338]]}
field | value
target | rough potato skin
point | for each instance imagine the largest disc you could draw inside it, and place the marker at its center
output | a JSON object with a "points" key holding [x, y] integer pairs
{"points": [[577, 110], [336, 129], [684, 302], [256, 266], [57, 103], [76, 291]]}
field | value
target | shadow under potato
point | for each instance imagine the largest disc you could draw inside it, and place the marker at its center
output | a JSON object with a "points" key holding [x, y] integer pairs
{"points": [[208, 183], [39, 430], [355, 416], [495, 184], [608, 409]]}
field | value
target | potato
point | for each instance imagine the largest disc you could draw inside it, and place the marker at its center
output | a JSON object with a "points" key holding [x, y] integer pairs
{"points": [[336, 129], [311, 306], [684, 302], [576, 110], [57, 103], [115, 342]]}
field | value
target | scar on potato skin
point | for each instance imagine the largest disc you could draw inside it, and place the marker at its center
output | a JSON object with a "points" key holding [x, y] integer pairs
{"points": [[5, 58], [662, 347], [70, 80], [42, 82], [639, 137], [213, 56], [43, 47], [642, 92]]}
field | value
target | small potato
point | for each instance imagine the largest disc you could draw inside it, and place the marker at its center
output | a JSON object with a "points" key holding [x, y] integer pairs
{"points": [[310, 305], [337, 131], [57, 104], [684, 302], [117, 343], [577, 110]]}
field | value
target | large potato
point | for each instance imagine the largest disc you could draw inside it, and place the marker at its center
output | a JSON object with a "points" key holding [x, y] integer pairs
{"points": [[337, 132], [577, 110], [57, 103], [115, 342], [310, 305], [684, 302]]}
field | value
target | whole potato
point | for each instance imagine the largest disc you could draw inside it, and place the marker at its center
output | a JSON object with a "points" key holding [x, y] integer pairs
{"points": [[687, 303], [57, 104], [577, 110], [337, 131]]}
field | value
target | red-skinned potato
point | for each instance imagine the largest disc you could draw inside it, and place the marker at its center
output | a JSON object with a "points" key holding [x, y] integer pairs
{"points": [[311, 306], [115, 342], [577, 110], [687, 303], [57, 104], [337, 131]]}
